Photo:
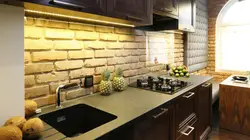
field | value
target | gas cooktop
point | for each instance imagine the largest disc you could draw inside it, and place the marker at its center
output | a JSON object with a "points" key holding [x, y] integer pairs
{"points": [[160, 84]]}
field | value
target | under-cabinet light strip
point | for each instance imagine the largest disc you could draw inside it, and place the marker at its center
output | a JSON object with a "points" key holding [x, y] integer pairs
{"points": [[78, 18]]}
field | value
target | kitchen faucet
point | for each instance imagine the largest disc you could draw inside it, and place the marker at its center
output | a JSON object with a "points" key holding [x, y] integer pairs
{"points": [[61, 88]]}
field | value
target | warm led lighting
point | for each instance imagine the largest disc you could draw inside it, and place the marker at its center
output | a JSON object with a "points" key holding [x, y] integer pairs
{"points": [[78, 18]]}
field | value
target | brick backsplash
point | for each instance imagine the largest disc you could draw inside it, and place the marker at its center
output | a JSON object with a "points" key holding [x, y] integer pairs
{"points": [[58, 52]]}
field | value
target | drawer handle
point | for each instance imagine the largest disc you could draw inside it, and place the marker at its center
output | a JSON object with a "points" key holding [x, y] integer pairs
{"points": [[134, 18], [164, 110], [67, 4], [190, 128], [206, 85], [190, 94]]}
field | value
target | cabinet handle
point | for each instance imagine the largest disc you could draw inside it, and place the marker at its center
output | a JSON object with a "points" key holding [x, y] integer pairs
{"points": [[190, 128], [67, 4], [190, 94], [164, 110], [206, 85], [134, 18]]}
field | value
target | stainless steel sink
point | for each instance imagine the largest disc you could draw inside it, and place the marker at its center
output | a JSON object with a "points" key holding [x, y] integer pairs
{"points": [[77, 119]]}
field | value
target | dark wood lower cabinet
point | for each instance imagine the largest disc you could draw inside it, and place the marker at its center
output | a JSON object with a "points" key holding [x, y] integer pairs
{"points": [[155, 126], [204, 111], [186, 118]]}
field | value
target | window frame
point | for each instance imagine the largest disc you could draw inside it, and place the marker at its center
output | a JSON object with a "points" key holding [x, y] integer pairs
{"points": [[219, 28]]}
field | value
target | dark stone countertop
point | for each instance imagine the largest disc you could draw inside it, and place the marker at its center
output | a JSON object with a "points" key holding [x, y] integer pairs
{"points": [[126, 105]]}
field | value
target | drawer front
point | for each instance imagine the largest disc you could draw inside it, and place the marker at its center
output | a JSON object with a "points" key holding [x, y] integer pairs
{"points": [[185, 106], [188, 131]]}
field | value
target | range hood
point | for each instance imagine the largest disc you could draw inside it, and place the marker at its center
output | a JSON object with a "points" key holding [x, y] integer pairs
{"points": [[161, 23]]}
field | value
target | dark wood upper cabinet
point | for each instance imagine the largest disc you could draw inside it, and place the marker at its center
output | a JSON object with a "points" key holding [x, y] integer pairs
{"points": [[89, 6], [155, 126], [166, 8], [168, 14], [133, 10], [187, 15]]}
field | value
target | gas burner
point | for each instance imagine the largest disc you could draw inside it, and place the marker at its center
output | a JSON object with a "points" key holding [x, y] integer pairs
{"points": [[160, 84]]}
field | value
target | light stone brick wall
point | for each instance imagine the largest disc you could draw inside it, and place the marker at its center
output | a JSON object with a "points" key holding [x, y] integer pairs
{"points": [[214, 7], [58, 52]]}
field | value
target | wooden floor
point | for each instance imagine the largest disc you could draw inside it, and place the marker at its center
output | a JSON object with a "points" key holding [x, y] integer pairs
{"points": [[217, 134]]}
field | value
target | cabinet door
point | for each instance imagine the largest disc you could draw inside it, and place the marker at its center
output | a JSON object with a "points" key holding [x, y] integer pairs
{"points": [[133, 10], [166, 7], [204, 110], [90, 6], [155, 127], [187, 15]]}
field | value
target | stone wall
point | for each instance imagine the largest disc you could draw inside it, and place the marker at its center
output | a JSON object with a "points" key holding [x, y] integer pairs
{"points": [[58, 52], [214, 8]]}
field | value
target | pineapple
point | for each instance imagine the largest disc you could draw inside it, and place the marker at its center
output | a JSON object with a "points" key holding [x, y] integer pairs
{"points": [[106, 85], [119, 81]]}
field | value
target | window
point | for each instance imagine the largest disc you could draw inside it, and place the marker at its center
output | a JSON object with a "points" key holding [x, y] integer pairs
{"points": [[232, 37], [157, 49]]}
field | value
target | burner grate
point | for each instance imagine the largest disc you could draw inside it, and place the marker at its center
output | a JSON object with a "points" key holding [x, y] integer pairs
{"points": [[161, 84]]}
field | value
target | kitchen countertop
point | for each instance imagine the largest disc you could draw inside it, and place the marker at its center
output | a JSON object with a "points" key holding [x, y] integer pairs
{"points": [[230, 82], [126, 105]]}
